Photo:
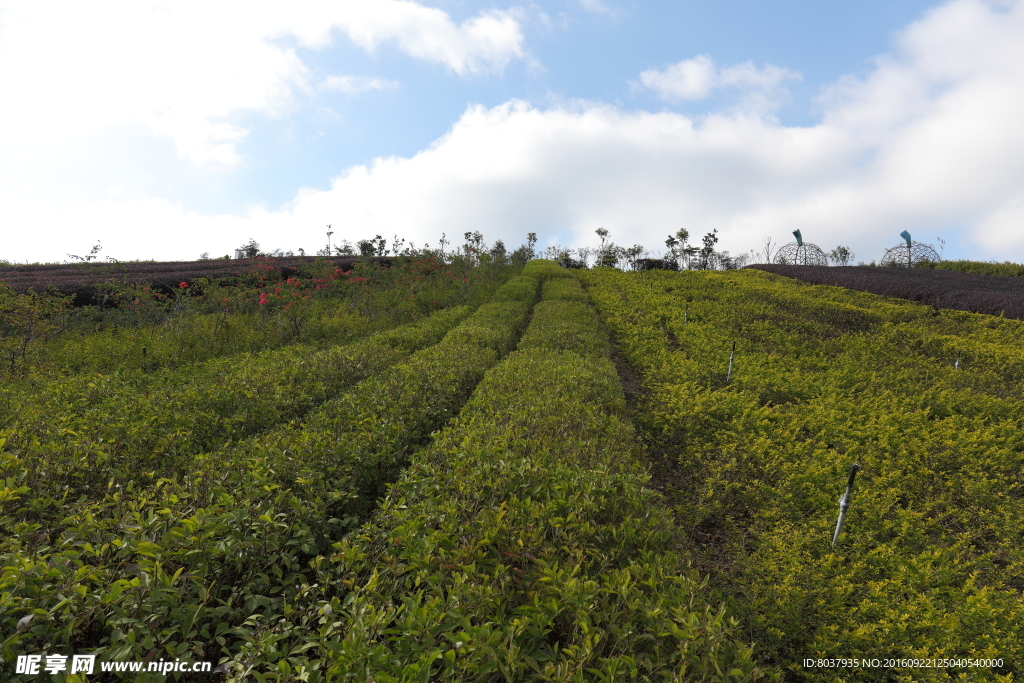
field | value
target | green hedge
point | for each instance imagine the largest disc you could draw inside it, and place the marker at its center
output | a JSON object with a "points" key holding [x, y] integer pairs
{"points": [[564, 289], [1006, 268], [178, 564], [521, 545], [544, 269], [85, 431], [929, 565], [565, 326]]}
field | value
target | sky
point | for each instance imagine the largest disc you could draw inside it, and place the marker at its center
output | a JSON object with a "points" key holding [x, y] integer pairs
{"points": [[166, 130]]}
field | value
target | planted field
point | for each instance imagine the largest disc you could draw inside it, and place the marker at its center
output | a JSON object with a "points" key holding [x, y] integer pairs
{"points": [[929, 564], [470, 497], [978, 290], [175, 551], [522, 544], [85, 280], [127, 327]]}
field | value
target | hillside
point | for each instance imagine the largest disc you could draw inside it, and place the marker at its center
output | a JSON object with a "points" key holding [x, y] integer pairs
{"points": [[548, 475]]}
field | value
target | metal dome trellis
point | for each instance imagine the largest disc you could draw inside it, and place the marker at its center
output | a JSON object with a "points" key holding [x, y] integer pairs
{"points": [[800, 253], [910, 254]]}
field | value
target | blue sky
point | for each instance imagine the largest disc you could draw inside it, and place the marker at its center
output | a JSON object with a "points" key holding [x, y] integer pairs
{"points": [[166, 130]]}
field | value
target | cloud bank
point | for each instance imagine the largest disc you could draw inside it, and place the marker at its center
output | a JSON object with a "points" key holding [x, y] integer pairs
{"points": [[929, 141], [187, 69], [353, 85], [697, 78]]}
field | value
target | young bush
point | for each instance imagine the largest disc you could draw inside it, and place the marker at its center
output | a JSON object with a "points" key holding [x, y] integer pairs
{"points": [[85, 431], [928, 564], [176, 564], [522, 544]]}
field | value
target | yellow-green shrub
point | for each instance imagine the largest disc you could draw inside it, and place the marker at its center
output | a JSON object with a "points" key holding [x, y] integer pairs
{"points": [[929, 564]]}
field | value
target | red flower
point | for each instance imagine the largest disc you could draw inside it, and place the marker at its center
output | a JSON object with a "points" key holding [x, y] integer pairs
{"points": [[182, 285]]}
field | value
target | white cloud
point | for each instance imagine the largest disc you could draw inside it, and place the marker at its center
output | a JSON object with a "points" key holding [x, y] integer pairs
{"points": [[488, 41], [598, 7], [189, 69], [353, 85], [690, 79], [697, 78], [930, 141]]}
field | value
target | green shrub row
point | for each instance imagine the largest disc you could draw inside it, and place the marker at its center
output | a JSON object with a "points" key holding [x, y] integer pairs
{"points": [[176, 566], [89, 430], [929, 564], [1006, 268], [254, 312], [521, 545], [563, 289]]}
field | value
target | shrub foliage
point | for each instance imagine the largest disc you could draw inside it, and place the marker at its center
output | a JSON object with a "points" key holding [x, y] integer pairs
{"points": [[929, 563]]}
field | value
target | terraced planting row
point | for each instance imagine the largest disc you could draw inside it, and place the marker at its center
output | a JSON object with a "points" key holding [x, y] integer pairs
{"points": [[121, 328], [929, 565], [522, 544], [94, 424], [177, 548]]}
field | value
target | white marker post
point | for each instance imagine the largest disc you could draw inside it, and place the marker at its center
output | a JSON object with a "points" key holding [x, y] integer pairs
{"points": [[844, 503], [728, 375]]}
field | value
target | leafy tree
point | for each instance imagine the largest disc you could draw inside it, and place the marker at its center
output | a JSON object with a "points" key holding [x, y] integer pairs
{"points": [[250, 249], [525, 252], [474, 242], [679, 252], [841, 255], [498, 251], [707, 252], [378, 246], [608, 254], [632, 254]]}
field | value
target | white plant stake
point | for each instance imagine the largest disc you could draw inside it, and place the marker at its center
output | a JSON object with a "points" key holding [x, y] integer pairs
{"points": [[728, 375], [844, 503]]}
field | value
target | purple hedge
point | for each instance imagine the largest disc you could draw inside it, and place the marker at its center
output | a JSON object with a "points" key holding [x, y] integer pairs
{"points": [[80, 279], [989, 294]]}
